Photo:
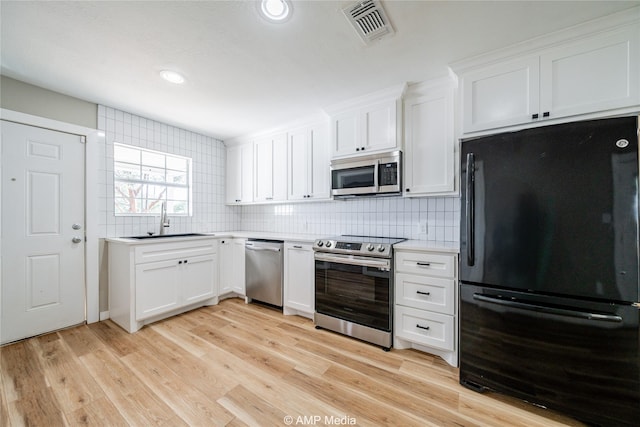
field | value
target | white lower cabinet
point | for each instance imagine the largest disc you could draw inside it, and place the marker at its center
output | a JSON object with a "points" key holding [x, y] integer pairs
{"points": [[299, 268], [425, 311], [152, 281], [231, 267]]}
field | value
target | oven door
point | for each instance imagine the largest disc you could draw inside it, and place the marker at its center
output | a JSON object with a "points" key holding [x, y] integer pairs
{"points": [[355, 289]]}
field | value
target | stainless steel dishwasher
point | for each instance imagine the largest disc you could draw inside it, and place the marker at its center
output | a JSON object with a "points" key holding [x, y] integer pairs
{"points": [[263, 269]]}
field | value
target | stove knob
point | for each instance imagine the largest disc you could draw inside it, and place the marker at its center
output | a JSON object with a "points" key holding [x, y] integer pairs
{"points": [[328, 243], [381, 248], [320, 243], [370, 247]]}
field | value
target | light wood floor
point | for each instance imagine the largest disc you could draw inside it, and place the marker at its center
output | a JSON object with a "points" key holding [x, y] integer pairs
{"points": [[235, 364]]}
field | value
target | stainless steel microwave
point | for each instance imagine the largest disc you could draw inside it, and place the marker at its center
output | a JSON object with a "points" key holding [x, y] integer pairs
{"points": [[372, 175]]}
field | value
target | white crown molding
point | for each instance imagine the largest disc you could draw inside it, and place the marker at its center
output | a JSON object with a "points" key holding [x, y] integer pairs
{"points": [[611, 22]]}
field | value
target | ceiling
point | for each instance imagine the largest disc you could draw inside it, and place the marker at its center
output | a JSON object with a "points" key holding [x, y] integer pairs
{"points": [[243, 73]]}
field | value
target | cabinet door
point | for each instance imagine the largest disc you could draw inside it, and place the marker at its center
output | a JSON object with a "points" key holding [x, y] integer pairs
{"points": [[234, 175], [246, 172], [597, 74], [320, 184], [271, 169], [225, 266], [429, 144], [504, 94], [156, 288], [345, 134], [299, 277], [378, 123], [263, 189], [197, 278], [299, 164], [279, 169], [238, 282]]}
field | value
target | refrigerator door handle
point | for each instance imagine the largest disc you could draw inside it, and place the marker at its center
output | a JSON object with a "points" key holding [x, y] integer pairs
{"points": [[512, 302], [470, 208]]}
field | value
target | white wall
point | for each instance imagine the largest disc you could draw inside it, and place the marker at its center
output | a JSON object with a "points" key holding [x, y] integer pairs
{"points": [[25, 98], [208, 155]]}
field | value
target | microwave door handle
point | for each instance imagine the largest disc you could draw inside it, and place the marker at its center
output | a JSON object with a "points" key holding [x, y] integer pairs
{"points": [[376, 168]]}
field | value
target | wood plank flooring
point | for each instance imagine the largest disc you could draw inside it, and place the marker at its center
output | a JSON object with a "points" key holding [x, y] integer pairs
{"points": [[234, 365]]}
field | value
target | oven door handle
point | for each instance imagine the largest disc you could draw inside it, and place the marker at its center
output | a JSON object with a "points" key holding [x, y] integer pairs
{"points": [[354, 260]]}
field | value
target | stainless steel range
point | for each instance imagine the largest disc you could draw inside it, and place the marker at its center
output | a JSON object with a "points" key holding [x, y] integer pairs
{"points": [[354, 287]]}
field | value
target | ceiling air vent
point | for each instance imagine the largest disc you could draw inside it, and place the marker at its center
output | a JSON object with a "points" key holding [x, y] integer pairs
{"points": [[369, 20]]}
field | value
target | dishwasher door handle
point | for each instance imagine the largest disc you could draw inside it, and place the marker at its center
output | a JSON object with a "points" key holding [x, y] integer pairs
{"points": [[251, 248]]}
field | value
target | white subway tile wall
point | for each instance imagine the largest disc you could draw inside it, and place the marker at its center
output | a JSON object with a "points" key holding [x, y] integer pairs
{"points": [[386, 216], [208, 162]]}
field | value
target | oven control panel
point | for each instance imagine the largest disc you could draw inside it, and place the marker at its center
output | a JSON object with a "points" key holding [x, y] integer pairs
{"points": [[353, 248]]}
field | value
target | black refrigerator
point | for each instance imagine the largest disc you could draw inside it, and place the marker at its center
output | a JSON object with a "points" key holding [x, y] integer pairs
{"points": [[549, 286]]}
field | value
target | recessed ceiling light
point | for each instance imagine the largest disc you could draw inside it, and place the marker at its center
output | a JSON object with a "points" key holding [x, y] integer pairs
{"points": [[275, 10], [172, 76]]}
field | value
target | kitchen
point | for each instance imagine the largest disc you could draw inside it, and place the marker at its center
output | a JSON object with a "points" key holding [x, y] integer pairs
{"points": [[432, 220]]}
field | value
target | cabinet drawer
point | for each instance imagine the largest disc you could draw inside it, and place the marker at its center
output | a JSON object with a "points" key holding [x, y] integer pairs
{"points": [[426, 263], [426, 328], [426, 293], [174, 250]]}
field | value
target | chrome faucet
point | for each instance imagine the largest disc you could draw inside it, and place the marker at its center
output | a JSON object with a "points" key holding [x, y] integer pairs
{"points": [[164, 221]]}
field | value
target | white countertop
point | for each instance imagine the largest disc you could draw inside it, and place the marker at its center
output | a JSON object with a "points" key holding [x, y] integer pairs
{"points": [[424, 245], [289, 237], [416, 245]]}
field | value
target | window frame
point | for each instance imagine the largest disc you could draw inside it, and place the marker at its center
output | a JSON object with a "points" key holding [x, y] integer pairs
{"points": [[188, 186]]}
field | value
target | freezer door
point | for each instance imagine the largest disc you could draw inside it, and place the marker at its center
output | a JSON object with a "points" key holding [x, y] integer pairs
{"points": [[553, 210], [576, 357]]}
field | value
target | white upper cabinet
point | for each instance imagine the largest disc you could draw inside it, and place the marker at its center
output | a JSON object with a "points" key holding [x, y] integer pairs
{"points": [[309, 163], [271, 169], [239, 174], [368, 124], [597, 74], [429, 156], [591, 74], [500, 95]]}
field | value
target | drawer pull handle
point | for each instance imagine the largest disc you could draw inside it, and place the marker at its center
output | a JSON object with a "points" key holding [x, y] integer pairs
{"points": [[423, 264], [426, 328], [423, 293], [297, 247]]}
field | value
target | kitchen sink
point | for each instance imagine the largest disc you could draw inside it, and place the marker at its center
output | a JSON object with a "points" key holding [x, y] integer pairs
{"points": [[166, 236]]}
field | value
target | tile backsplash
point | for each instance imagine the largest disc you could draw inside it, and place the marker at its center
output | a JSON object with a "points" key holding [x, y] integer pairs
{"points": [[385, 216], [208, 164]]}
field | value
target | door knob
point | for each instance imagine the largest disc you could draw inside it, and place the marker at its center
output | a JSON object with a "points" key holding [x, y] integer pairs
{"points": [[76, 226], [76, 240]]}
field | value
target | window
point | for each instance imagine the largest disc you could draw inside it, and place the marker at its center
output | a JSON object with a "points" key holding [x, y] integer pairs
{"points": [[144, 179]]}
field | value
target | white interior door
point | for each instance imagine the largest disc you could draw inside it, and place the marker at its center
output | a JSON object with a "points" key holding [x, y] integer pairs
{"points": [[43, 231]]}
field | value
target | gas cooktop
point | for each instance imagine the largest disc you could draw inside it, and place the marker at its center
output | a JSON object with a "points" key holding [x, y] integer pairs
{"points": [[358, 245]]}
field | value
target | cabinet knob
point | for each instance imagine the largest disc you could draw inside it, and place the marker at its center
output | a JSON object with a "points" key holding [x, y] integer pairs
{"points": [[179, 262], [357, 149], [545, 114], [534, 116], [361, 148], [186, 261], [408, 190]]}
